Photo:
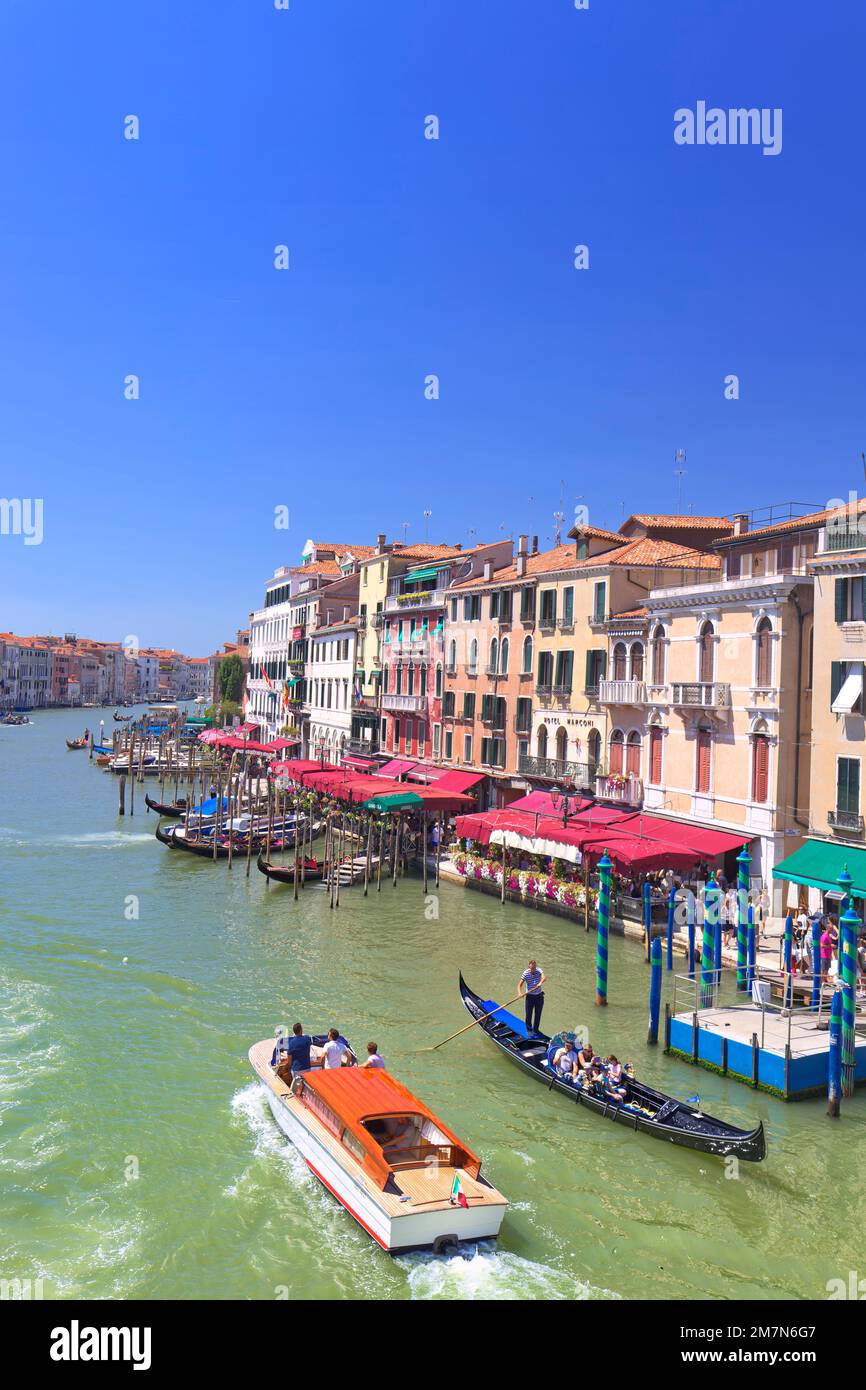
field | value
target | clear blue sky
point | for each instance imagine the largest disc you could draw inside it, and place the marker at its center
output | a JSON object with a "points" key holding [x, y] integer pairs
{"points": [[408, 257]]}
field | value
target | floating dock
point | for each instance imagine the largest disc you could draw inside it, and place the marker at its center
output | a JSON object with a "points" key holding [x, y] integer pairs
{"points": [[787, 1055]]}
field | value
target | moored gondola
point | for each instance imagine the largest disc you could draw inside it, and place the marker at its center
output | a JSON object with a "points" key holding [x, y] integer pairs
{"points": [[203, 845], [166, 808], [285, 873], [644, 1109]]}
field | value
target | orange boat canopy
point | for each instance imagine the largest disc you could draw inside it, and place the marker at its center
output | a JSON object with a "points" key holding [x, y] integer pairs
{"points": [[363, 1107]]}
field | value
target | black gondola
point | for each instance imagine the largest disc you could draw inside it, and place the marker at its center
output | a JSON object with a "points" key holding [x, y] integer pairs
{"points": [[203, 845], [285, 873], [122, 718], [646, 1110], [166, 808]]}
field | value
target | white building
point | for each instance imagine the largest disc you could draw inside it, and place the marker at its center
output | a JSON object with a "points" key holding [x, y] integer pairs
{"points": [[330, 688]]}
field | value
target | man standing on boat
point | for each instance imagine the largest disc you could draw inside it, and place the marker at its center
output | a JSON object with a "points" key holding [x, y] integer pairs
{"points": [[531, 985]]}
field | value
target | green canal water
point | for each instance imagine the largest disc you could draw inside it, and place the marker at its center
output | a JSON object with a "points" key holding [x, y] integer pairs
{"points": [[139, 1159]]}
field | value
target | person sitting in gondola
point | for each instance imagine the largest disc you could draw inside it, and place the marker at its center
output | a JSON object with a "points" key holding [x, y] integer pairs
{"points": [[597, 1078], [615, 1080], [565, 1061], [585, 1058]]}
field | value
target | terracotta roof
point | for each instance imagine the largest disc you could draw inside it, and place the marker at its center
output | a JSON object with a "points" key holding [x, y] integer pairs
{"points": [[561, 557], [796, 523], [318, 567], [431, 552], [594, 533], [630, 613], [361, 551], [648, 551], [681, 523]]}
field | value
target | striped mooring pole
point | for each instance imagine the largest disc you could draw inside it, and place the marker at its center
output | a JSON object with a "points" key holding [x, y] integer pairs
{"points": [[672, 907], [711, 917], [647, 916], [816, 966], [849, 924], [834, 1077], [744, 860], [750, 970], [789, 960], [690, 923], [604, 867], [655, 1000]]}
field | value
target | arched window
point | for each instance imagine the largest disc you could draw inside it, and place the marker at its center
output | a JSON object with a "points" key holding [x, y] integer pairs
{"points": [[503, 657], [527, 656], [594, 749], [764, 654], [562, 745], [633, 748], [452, 655], [703, 758], [494, 654], [760, 763], [473, 657], [616, 751], [637, 661], [541, 741], [706, 652], [619, 662], [438, 680], [658, 655]]}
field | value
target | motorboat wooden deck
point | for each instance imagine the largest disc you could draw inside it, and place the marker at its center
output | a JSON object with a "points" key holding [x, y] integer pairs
{"points": [[400, 1186]]}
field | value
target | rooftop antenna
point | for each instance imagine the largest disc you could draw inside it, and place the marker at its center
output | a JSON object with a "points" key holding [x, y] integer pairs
{"points": [[406, 525], [427, 516], [679, 474], [559, 514], [863, 461]]}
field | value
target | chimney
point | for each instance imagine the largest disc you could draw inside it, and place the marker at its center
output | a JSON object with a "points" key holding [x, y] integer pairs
{"points": [[345, 612], [522, 544], [741, 523], [380, 543], [521, 562], [488, 570], [534, 545]]}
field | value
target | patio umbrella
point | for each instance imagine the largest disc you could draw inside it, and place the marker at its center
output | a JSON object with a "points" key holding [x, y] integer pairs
{"points": [[394, 801]]}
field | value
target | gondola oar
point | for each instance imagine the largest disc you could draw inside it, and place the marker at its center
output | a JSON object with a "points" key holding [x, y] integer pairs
{"points": [[472, 1024]]}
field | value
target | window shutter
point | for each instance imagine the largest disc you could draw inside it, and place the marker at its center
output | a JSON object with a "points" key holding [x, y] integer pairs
{"points": [[588, 680], [703, 778], [760, 769], [837, 677], [841, 600], [655, 755], [602, 665]]}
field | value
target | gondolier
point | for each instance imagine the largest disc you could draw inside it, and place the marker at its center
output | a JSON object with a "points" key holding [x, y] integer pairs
{"points": [[531, 985]]}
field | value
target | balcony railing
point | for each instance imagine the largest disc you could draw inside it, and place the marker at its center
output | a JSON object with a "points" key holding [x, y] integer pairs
{"points": [[841, 538], [547, 620], [450, 670], [623, 791], [562, 691], [556, 769], [565, 622], [544, 691], [409, 703], [428, 598], [846, 820], [598, 619], [702, 695], [622, 692]]}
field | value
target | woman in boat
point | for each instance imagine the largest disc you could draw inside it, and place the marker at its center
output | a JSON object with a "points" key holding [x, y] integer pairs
{"points": [[584, 1059], [615, 1079]]}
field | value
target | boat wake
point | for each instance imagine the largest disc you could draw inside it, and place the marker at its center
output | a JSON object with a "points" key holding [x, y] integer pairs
{"points": [[104, 839], [483, 1272]]}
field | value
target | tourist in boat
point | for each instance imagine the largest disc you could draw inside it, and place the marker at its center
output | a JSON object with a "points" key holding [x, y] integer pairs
{"points": [[373, 1058], [584, 1058], [298, 1048], [531, 985], [615, 1079], [399, 1137], [336, 1052], [565, 1062]]}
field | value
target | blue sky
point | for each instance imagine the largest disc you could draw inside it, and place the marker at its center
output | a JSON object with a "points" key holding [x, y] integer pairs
{"points": [[305, 388]]}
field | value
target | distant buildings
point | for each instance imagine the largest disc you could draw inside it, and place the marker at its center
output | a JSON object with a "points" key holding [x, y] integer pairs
{"points": [[38, 672]]}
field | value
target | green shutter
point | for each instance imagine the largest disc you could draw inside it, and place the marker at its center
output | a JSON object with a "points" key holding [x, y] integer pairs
{"points": [[837, 678], [841, 600]]}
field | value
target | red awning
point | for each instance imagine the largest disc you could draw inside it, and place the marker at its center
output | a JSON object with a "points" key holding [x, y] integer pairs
{"points": [[359, 764], [279, 745], [397, 767], [298, 768], [459, 781], [426, 773], [630, 854], [481, 825], [547, 805], [705, 842]]}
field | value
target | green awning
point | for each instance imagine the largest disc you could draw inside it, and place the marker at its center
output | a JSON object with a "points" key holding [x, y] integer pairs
{"points": [[412, 575], [394, 801], [818, 864], [296, 680]]}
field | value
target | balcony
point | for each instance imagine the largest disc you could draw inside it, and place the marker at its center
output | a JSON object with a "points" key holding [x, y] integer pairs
{"points": [[407, 704], [544, 692], [597, 620], [450, 670], [556, 769], [847, 821], [622, 692], [620, 789], [494, 672], [547, 622], [843, 538], [428, 598], [701, 695]]}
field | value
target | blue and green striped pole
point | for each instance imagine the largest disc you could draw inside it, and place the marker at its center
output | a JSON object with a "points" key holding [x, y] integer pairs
{"points": [[711, 917], [816, 965], [788, 959], [672, 907], [604, 867], [647, 916], [750, 969], [655, 991], [848, 969], [690, 923], [744, 860], [834, 1077]]}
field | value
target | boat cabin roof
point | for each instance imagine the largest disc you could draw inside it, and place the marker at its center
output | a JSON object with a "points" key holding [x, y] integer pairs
{"points": [[348, 1098]]}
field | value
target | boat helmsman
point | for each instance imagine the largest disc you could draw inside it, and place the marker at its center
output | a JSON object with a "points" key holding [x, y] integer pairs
{"points": [[531, 985]]}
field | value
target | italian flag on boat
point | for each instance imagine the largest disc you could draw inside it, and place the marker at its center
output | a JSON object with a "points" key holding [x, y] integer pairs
{"points": [[457, 1193]]}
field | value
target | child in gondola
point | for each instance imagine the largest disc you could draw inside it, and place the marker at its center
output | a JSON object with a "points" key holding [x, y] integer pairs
{"points": [[615, 1087]]}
